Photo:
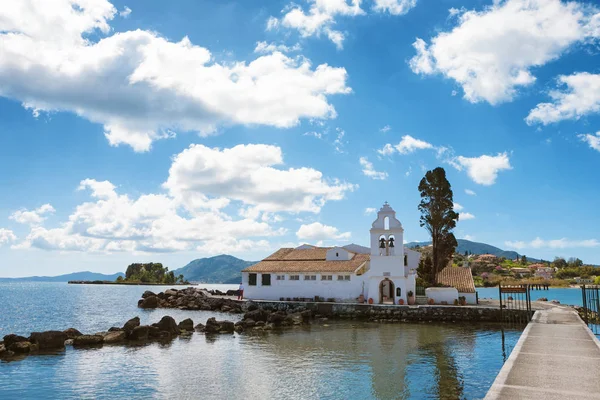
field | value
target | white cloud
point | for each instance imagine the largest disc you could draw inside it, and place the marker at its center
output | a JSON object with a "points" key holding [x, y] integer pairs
{"points": [[7, 236], [266, 48], [204, 177], [339, 143], [563, 243], [407, 145], [492, 63], [370, 210], [592, 140], [33, 217], [394, 7], [318, 135], [581, 97], [457, 207], [385, 129], [464, 216], [483, 169], [140, 86], [470, 192], [126, 12], [369, 171], [318, 231], [469, 237]]}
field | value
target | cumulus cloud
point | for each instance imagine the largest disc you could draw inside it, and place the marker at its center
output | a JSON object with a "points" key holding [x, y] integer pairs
{"points": [[580, 97], [140, 86], [32, 217], [266, 48], [203, 177], [483, 169], [407, 145], [563, 243], [457, 207], [370, 210], [470, 192], [491, 64], [126, 12], [592, 140], [394, 7], [369, 170], [7, 236], [385, 129], [318, 231], [465, 216]]}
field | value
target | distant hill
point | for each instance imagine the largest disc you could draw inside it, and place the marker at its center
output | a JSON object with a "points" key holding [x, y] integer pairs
{"points": [[218, 269], [76, 276], [476, 248]]}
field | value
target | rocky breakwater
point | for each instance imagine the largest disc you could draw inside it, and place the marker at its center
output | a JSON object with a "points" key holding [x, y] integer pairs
{"points": [[189, 299], [15, 346], [259, 319]]}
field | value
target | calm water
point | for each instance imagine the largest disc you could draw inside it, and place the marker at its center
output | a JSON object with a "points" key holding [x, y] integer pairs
{"points": [[570, 296], [333, 361]]}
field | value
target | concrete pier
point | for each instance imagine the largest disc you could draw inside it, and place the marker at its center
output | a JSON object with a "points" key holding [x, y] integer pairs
{"points": [[557, 357]]}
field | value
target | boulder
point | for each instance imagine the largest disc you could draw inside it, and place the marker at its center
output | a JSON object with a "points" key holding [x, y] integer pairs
{"points": [[257, 315], [155, 333], [249, 323], [72, 333], [226, 327], [149, 302], [115, 329], [171, 292], [199, 327], [212, 326], [186, 325], [132, 323], [12, 338], [167, 324], [277, 317], [139, 333], [3, 351], [21, 347], [252, 307], [542, 299], [49, 339], [114, 337], [88, 340], [148, 293]]}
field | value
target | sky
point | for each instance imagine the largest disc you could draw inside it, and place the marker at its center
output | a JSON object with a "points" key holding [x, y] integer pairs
{"points": [[137, 131]]}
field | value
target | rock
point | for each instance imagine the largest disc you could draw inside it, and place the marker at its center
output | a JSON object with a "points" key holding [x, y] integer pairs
{"points": [[259, 323], [199, 327], [139, 333], [167, 324], [212, 326], [239, 328], [171, 292], [20, 347], [114, 337], [257, 315], [155, 333], [132, 323], [69, 342], [252, 307], [49, 339], [72, 333], [306, 316], [555, 302], [277, 317], [225, 309], [149, 302], [186, 325], [186, 333], [147, 293], [115, 329], [249, 323], [227, 327], [12, 338], [542, 299], [88, 340]]}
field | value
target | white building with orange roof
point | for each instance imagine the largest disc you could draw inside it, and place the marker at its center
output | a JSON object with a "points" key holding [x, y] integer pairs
{"points": [[383, 273]]}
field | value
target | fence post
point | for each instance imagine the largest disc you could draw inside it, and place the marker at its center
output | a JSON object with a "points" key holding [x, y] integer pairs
{"points": [[585, 310]]}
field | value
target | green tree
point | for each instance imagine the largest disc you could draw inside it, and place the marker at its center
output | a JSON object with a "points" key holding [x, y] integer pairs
{"points": [[438, 216], [575, 262], [559, 263], [425, 271], [523, 260]]}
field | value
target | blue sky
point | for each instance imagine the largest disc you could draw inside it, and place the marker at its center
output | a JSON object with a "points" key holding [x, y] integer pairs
{"points": [[167, 131]]}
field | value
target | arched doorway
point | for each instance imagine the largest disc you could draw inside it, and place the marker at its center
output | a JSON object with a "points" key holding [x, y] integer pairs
{"points": [[386, 292]]}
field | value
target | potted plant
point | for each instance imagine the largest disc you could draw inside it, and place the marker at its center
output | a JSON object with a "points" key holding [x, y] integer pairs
{"points": [[411, 297], [401, 302], [462, 300], [370, 300], [430, 302]]}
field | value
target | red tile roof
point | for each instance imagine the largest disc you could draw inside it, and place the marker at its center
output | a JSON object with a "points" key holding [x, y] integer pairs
{"points": [[460, 278]]}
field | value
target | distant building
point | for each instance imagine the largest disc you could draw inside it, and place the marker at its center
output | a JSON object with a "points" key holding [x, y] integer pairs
{"points": [[542, 271], [580, 280], [385, 272], [521, 272]]}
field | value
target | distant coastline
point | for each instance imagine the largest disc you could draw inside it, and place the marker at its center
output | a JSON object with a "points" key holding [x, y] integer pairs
{"points": [[128, 283]]}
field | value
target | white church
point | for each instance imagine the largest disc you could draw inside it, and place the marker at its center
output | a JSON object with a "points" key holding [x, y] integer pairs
{"points": [[383, 274]]}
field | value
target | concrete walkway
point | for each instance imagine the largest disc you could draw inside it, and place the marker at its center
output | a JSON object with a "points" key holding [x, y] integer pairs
{"points": [[557, 357]]}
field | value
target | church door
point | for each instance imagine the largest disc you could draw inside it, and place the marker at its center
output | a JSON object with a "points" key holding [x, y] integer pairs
{"points": [[386, 292]]}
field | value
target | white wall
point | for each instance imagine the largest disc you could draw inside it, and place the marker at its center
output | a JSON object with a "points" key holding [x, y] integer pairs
{"points": [[470, 297], [339, 290], [338, 253], [413, 258], [392, 264], [442, 294]]}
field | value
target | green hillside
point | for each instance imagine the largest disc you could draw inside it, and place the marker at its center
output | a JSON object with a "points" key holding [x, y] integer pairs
{"points": [[218, 269], [476, 248]]}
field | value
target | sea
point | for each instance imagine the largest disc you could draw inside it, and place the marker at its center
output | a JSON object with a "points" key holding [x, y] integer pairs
{"points": [[331, 360]]}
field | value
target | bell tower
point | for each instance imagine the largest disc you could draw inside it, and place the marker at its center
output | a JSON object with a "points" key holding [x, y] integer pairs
{"points": [[387, 234]]}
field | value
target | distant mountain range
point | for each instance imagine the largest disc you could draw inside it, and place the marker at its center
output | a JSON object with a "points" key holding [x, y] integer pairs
{"points": [[476, 248], [75, 276], [227, 269], [218, 269]]}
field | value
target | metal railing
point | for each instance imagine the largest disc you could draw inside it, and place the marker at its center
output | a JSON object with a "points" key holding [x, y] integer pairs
{"points": [[591, 307], [515, 304]]}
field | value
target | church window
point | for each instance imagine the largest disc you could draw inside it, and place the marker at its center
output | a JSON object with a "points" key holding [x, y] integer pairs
{"points": [[337, 254], [294, 277], [398, 292], [386, 223], [252, 279], [326, 277], [266, 279]]}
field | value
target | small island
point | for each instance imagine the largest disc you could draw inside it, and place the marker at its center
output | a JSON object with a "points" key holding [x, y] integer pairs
{"points": [[142, 274]]}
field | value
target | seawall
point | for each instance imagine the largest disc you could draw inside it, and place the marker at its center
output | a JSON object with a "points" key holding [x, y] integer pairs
{"points": [[397, 313]]}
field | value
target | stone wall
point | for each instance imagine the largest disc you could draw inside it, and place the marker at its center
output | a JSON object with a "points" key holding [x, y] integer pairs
{"points": [[374, 312]]}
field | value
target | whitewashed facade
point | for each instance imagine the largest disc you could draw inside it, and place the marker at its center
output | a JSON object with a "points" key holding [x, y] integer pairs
{"points": [[383, 273]]}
